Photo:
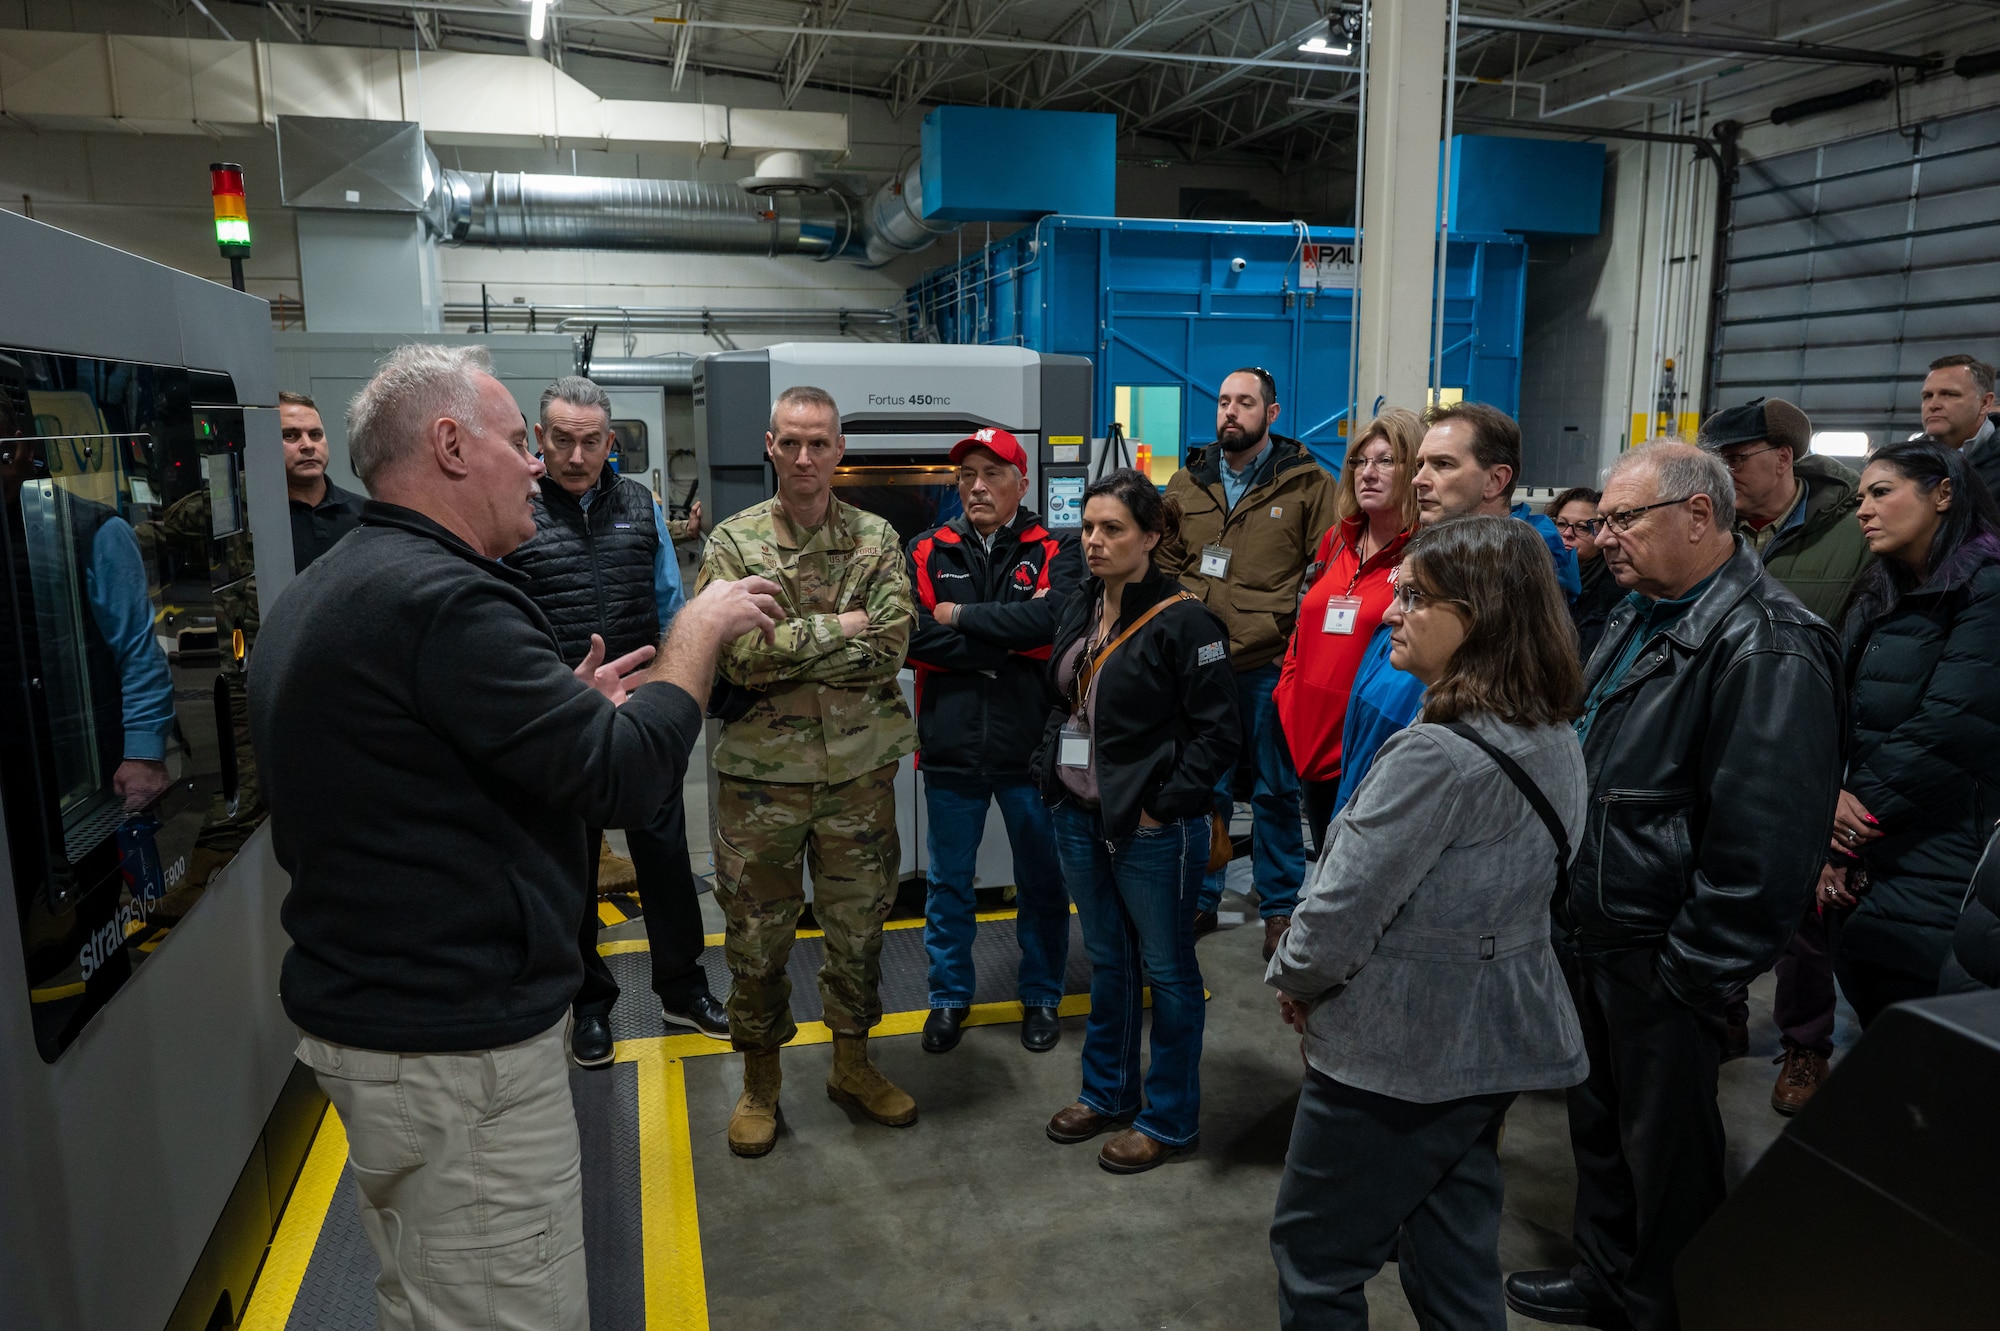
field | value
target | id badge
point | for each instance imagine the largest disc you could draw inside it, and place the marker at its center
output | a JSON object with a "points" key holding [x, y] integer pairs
{"points": [[1215, 561], [1073, 748], [1341, 612]]}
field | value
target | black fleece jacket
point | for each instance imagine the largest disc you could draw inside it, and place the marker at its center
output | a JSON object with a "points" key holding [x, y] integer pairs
{"points": [[981, 691], [431, 766], [1167, 725]]}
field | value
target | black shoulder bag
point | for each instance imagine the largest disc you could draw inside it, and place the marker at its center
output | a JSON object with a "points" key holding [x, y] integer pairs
{"points": [[1559, 906]]}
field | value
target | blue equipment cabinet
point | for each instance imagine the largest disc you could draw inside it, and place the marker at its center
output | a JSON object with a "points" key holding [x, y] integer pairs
{"points": [[1166, 309]]}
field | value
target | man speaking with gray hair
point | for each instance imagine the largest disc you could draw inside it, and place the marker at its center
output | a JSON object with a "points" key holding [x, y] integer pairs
{"points": [[432, 767]]}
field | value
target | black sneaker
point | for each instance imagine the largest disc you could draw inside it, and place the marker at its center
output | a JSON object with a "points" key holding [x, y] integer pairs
{"points": [[1205, 922], [590, 1042], [702, 1013]]}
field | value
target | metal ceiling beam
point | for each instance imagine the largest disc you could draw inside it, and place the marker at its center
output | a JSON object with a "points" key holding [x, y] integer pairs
{"points": [[809, 52], [1685, 72], [1806, 52], [576, 17], [941, 69], [1201, 91], [1146, 25]]}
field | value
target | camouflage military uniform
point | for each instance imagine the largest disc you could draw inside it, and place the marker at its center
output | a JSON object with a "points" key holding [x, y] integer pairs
{"points": [[807, 773]]}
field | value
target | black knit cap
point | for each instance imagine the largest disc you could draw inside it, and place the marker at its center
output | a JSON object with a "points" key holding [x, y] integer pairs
{"points": [[1772, 420]]}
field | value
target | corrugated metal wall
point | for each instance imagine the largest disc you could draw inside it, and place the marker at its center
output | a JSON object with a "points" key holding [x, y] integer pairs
{"points": [[1853, 265]]}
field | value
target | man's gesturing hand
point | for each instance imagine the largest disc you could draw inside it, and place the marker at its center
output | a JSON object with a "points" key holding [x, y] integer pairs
{"points": [[733, 609], [613, 679], [722, 612]]}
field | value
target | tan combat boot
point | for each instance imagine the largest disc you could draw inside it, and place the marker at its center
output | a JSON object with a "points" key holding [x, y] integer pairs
{"points": [[753, 1128], [856, 1081]]}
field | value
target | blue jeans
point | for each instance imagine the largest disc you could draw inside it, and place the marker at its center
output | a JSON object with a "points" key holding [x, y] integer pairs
{"points": [[956, 810], [1277, 848], [1136, 901]]}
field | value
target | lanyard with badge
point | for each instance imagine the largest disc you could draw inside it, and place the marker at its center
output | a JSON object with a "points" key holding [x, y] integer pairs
{"points": [[1073, 744], [1343, 612]]}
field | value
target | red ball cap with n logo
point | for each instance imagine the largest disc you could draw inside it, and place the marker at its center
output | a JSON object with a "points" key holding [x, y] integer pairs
{"points": [[998, 442]]}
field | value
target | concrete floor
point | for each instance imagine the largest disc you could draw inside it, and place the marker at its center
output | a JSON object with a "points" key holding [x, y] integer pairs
{"points": [[972, 1218]]}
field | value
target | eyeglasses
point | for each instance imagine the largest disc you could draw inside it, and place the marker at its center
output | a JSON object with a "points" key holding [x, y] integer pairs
{"points": [[1623, 519], [1573, 528], [1409, 599], [1735, 461], [1374, 464]]}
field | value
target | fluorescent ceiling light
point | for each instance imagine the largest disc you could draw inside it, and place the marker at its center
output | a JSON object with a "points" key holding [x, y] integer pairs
{"points": [[1841, 443], [538, 19], [1320, 40]]}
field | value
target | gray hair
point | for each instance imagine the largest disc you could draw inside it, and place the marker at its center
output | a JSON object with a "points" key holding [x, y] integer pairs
{"points": [[578, 392], [419, 383], [805, 395], [1680, 471]]}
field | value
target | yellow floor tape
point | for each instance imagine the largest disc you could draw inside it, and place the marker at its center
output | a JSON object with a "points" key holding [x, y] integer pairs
{"points": [[670, 1222], [277, 1287], [670, 1227]]}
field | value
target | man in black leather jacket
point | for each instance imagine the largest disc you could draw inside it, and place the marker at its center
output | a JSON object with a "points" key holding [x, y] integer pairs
{"points": [[1711, 732]]}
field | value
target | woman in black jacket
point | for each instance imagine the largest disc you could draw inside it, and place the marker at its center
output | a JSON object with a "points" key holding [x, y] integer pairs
{"points": [[1921, 642], [1145, 726], [1591, 610], [1974, 963]]}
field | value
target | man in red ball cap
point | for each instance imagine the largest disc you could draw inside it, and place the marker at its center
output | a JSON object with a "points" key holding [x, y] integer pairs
{"points": [[990, 585]]}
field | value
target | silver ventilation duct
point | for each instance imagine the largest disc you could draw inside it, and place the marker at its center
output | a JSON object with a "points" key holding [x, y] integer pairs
{"points": [[894, 219], [522, 211], [673, 373]]}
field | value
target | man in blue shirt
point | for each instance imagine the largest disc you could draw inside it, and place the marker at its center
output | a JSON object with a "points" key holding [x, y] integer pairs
{"points": [[1468, 463], [605, 574], [135, 701]]}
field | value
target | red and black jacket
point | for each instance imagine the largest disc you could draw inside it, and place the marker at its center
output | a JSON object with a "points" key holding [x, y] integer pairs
{"points": [[981, 683]]}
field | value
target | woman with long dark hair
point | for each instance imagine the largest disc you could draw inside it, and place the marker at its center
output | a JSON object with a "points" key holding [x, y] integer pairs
{"points": [[1146, 724], [1921, 643], [1418, 967]]}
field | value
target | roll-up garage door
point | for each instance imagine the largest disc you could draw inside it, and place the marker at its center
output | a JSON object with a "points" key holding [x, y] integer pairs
{"points": [[1853, 265]]}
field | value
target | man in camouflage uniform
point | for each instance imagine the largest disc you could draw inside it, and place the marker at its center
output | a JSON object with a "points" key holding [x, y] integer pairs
{"points": [[808, 771]]}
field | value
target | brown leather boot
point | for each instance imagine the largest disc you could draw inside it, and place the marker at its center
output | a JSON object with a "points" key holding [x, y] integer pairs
{"points": [[1804, 1070], [1078, 1123], [855, 1081], [1274, 930], [753, 1128], [614, 872], [1133, 1152]]}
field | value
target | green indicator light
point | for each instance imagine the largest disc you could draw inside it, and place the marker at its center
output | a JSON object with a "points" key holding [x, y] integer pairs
{"points": [[231, 231]]}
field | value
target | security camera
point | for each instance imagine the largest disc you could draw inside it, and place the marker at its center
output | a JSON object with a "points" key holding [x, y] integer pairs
{"points": [[1238, 265]]}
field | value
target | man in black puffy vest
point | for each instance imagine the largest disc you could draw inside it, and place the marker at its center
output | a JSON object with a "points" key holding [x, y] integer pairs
{"points": [[605, 575]]}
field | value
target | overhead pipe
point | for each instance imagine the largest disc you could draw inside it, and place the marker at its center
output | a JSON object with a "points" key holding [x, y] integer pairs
{"points": [[1727, 156], [673, 373], [518, 210], [894, 219], [1808, 52]]}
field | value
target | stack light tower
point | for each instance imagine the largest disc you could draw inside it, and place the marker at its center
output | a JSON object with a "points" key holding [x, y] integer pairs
{"points": [[232, 217]]}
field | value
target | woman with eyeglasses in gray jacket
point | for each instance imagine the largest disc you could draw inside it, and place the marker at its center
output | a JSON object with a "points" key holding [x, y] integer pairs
{"points": [[1419, 968]]}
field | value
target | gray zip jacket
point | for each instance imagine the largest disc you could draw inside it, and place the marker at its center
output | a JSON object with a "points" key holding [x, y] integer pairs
{"points": [[1422, 938]]}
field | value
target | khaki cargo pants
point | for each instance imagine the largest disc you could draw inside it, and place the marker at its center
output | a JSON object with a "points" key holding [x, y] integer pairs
{"points": [[470, 1179], [846, 833]]}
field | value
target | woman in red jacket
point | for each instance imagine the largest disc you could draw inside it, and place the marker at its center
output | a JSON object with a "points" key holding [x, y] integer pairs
{"points": [[1376, 514]]}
